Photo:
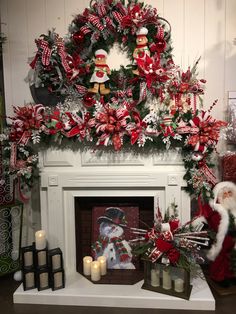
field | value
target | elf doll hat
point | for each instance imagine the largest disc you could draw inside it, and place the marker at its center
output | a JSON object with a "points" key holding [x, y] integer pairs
{"points": [[113, 215], [100, 53], [143, 31]]}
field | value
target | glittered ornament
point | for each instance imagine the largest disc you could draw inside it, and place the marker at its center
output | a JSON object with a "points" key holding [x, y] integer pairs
{"points": [[88, 100], [160, 45], [78, 37]]}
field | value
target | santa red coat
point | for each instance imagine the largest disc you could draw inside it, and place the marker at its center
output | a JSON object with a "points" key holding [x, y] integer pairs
{"points": [[220, 267]]}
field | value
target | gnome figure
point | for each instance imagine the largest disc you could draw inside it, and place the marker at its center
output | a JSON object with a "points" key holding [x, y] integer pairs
{"points": [[100, 74], [141, 50], [111, 242]]}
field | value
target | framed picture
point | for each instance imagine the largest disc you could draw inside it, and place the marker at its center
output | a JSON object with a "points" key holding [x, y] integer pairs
{"points": [[112, 234]]}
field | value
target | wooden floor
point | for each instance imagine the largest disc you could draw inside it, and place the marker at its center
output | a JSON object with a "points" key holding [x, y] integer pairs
{"points": [[225, 304]]}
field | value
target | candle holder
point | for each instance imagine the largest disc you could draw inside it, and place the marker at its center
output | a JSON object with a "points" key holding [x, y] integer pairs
{"points": [[168, 280], [29, 279], [41, 258], [28, 256], [57, 279], [43, 278], [55, 259]]}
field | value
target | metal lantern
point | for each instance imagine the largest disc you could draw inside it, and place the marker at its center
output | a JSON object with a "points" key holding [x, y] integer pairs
{"points": [[43, 278], [55, 259], [57, 279], [167, 279], [29, 279]]}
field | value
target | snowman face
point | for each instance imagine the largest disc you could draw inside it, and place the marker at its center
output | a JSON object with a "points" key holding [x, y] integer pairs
{"points": [[110, 230]]}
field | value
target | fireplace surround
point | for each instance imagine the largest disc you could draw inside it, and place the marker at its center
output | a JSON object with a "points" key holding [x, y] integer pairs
{"points": [[67, 177]]}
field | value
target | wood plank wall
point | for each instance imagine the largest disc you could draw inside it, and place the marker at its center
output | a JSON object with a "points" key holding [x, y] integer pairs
{"points": [[203, 28]]}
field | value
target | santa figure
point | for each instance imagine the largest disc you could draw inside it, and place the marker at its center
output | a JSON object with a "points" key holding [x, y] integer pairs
{"points": [[220, 215], [111, 242]]}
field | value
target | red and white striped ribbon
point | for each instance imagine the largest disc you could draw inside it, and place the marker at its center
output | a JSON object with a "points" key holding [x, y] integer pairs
{"points": [[117, 16], [95, 21], [46, 52]]}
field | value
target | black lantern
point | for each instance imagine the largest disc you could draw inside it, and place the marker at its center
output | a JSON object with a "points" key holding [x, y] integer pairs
{"points": [[29, 279], [28, 256], [43, 278], [57, 279], [41, 258], [55, 259], [167, 279]]}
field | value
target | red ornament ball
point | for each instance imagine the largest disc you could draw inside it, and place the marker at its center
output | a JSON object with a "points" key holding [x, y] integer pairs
{"points": [[78, 37], [160, 45], [89, 100]]}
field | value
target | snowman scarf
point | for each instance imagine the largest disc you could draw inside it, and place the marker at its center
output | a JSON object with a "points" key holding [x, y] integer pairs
{"points": [[102, 242]]}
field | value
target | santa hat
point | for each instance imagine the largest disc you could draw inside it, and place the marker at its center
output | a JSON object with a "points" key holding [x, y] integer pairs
{"points": [[224, 221], [100, 53]]}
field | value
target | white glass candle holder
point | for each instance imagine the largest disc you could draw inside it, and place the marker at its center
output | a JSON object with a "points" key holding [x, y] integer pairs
{"points": [[87, 260], [179, 285], [95, 271], [155, 277], [103, 264], [166, 284]]}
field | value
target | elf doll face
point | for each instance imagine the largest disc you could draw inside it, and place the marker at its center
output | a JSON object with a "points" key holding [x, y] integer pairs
{"points": [[100, 60], [141, 40]]}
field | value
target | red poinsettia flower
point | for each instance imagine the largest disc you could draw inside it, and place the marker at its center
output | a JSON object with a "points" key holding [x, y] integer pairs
{"points": [[173, 255], [174, 224]]}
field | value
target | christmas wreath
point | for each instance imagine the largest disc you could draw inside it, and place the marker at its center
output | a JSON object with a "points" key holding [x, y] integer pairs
{"points": [[147, 106]]}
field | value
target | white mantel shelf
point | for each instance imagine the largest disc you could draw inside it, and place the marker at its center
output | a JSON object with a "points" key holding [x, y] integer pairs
{"points": [[81, 292]]}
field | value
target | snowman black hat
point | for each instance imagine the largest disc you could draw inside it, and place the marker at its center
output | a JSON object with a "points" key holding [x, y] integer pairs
{"points": [[113, 215]]}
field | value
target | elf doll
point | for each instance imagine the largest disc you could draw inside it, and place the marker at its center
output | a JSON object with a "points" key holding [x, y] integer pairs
{"points": [[141, 50], [100, 74]]}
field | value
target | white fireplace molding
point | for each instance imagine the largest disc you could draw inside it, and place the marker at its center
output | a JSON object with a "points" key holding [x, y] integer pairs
{"points": [[66, 175]]}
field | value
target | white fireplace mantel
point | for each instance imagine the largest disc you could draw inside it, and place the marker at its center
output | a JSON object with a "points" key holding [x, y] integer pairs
{"points": [[66, 175]]}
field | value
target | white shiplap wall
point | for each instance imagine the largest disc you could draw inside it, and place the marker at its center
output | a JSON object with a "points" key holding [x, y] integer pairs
{"points": [[205, 28]]}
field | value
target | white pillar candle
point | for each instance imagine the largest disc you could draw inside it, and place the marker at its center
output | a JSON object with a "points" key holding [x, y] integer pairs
{"points": [[28, 258], [179, 285], [43, 280], [166, 279], [42, 258], [29, 280], [56, 261], [103, 264], [155, 277], [87, 260], [58, 279], [95, 271], [40, 240]]}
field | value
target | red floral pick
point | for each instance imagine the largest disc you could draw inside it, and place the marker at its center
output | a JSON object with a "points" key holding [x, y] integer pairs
{"points": [[173, 255], [164, 246]]}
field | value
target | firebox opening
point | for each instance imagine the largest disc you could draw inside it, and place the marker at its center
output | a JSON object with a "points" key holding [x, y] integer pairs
{"points": [[84, 219]]}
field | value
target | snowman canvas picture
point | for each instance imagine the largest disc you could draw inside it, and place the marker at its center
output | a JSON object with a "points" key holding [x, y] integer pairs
{"points": [[111, 241]]}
